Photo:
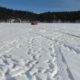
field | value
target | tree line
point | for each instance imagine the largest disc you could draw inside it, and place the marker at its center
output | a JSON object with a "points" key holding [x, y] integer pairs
{"points": [[7, 15]]}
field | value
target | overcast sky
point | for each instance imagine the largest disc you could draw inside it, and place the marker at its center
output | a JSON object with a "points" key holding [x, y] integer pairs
{"points": [[42, 5]]}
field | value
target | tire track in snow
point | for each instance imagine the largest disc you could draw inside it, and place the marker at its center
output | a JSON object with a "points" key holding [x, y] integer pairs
{"points": [[65, 71], [69, 74]]}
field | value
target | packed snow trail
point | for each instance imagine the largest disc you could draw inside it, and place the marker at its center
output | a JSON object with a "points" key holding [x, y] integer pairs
{"points": [[39, 52]]}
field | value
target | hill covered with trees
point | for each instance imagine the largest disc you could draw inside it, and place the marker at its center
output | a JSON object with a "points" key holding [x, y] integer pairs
{"points": [[6, 15]]}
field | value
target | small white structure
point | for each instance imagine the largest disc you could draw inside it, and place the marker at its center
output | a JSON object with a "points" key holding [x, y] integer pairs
{"points": [[17, 20]]}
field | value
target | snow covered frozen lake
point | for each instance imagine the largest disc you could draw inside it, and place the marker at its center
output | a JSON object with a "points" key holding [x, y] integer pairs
{"points": [[47, 51]]}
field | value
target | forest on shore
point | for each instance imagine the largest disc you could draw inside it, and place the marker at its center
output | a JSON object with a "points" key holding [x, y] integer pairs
{"points": [[8, 15]]}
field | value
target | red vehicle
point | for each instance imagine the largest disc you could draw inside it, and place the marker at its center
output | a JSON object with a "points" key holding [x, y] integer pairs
{"points": [[33, 23]]}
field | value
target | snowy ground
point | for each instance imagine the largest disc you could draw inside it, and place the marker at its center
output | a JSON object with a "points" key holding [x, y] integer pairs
{"points": [[39, 52]]}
